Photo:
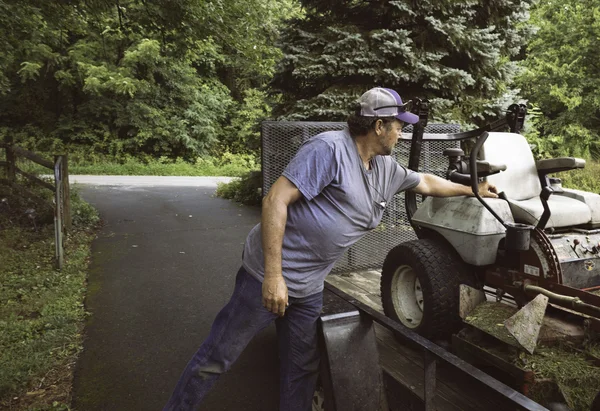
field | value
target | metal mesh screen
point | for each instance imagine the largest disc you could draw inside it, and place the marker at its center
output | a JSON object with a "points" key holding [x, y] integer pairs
{"points": [[280, 142]]}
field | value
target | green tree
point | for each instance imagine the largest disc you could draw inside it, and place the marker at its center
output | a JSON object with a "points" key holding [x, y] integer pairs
{"points": [[561, 77], [134, 76], [455, 53], [242, 134]]}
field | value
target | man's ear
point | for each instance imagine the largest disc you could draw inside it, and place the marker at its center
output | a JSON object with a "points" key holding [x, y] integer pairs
{"points": [[379, 126]]}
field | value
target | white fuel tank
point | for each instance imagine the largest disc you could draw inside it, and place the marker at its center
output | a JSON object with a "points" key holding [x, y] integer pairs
{"points": [[466, 224]]}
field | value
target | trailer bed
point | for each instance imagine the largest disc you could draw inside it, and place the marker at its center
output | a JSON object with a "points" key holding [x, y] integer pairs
{"points": [[403, 366]]}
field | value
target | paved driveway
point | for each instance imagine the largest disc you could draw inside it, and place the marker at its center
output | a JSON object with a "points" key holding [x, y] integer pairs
{"points": [[162, 267]]}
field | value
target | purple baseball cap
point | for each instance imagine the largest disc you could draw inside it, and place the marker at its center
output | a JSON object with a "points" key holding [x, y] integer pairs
{"points": [[385, 102]]}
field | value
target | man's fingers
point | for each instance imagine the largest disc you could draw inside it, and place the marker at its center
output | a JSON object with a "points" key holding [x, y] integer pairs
{"points": [[275, 295], [269, 305], [493, 191], [279, 307], [274, 306], [488, 190], [488, 194]]}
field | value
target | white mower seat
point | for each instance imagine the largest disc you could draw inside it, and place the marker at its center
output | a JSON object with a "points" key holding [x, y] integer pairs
{"points": [[565, 212], [522, 186]]}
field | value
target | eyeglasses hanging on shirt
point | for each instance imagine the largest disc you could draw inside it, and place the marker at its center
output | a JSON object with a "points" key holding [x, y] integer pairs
{"points": [[381, 201]]}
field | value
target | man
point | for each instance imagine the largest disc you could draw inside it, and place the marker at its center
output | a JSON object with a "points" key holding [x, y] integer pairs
{"points": [[330, 195]]}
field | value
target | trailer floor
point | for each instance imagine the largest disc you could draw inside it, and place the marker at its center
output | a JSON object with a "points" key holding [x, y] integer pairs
{"points": [[402, 365]]}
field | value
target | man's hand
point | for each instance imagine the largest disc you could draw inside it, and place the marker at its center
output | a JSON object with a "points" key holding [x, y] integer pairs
{"points": [[275, 294], [488, 190]]}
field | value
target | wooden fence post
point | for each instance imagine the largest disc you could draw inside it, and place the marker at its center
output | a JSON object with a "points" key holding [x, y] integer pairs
{"points": [[66, 193], [10, 159], [58, 214]]}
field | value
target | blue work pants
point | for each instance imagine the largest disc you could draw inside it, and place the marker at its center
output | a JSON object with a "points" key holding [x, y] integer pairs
{"points": [[235, 325]]}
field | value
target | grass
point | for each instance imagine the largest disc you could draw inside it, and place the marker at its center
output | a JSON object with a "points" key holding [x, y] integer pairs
{"points": [[587, 179], [41, 308], [566, 366], [490, 318], [227, 164], [575, 375]]}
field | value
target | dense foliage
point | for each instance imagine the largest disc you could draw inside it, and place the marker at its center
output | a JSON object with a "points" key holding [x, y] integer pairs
{"points": [[562, 77], [134, 76], [246, 190], [457, 54], [185, 79]]}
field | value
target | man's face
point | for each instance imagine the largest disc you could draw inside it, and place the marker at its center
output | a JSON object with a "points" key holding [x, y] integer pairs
{"points": [[389, 135]]}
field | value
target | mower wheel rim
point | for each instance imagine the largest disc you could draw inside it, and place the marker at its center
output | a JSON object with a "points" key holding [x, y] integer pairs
{"points": [[407, 296]]}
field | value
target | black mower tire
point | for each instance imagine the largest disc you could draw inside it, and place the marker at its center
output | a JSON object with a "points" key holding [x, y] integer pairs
{"points": [[440, 271]]}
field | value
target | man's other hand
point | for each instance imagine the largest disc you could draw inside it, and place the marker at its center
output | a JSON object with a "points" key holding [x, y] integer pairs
{"points": [[275, 294]]}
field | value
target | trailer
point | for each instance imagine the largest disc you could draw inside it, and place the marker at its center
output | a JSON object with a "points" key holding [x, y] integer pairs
{"points": [[398, 334]]}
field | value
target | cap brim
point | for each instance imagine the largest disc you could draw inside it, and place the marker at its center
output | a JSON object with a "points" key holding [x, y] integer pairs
{"points": [[407, 117]]}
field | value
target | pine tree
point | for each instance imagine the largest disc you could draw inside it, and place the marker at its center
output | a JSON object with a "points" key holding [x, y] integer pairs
{"points": [[458, 54]]}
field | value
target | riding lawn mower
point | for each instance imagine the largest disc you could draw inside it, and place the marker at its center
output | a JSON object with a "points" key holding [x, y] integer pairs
{"points": [[528, 262]]}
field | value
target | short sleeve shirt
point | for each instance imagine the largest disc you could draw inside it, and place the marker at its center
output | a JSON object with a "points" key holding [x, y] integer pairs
{"points": [[341, 203]]}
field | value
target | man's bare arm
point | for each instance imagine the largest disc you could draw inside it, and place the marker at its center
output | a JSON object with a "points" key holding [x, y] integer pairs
{"points": [[274, 217], [435, 186]]}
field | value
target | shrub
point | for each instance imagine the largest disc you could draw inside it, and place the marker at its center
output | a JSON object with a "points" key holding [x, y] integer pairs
{"points": [[83, 214], [246, 190]]}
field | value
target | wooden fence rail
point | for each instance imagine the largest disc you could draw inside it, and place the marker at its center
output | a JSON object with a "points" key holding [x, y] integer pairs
{"points": [[60, 188]]}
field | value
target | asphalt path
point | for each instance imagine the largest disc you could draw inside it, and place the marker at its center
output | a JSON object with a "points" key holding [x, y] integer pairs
{"points": [[162, 266]]}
